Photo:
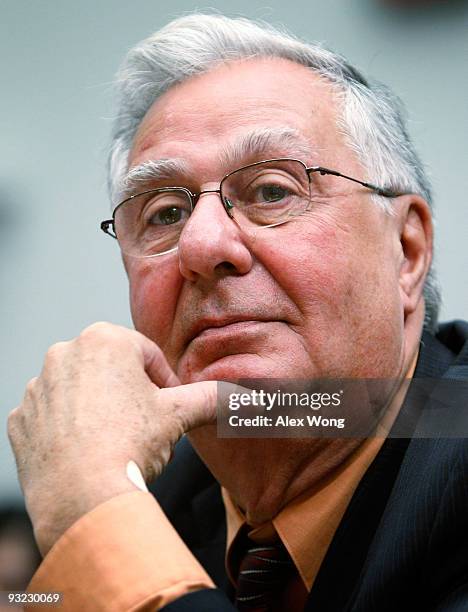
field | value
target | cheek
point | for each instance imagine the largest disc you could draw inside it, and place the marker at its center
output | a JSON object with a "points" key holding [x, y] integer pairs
{"points": [[308, 264], [344, 283], [154, 287], [345, 266]]}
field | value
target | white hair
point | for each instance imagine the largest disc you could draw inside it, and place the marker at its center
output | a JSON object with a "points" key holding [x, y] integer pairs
{"points": [[371, 117]]}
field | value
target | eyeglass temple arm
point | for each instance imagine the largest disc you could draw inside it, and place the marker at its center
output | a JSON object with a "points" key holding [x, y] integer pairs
{"points": [[382, 191], [107, 227]]}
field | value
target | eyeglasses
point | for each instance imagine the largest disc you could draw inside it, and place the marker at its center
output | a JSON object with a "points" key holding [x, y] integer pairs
{"points": [[263, 194]]}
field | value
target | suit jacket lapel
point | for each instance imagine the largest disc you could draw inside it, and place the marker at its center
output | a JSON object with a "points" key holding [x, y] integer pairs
{"points": [[339, 577]]}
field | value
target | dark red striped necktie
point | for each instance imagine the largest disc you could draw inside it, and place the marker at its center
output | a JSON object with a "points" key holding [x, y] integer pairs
{"points": [[263, 574]]}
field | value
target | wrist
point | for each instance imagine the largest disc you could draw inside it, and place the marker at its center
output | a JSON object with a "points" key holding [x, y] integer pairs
{"points": [[54, 514]]}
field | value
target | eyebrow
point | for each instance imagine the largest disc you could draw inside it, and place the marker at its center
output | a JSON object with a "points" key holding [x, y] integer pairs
{"points": [[280, 141], [260, 143], [140, 177]]}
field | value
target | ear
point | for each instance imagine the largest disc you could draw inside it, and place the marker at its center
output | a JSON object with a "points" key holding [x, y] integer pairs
{"points": [[416, 239]]}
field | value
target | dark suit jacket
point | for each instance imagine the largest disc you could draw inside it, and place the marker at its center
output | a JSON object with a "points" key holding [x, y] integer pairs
{"points": [[403, 541]]}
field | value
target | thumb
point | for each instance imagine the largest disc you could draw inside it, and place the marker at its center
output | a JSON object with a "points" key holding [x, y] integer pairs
{"points": [[197, 404]]}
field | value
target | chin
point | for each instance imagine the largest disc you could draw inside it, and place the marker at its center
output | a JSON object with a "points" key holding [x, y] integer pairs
{"points": [[255, 471], [231, 368]]}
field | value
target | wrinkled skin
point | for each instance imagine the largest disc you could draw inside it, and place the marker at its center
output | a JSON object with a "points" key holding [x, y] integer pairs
{"points": [[336, 292]]}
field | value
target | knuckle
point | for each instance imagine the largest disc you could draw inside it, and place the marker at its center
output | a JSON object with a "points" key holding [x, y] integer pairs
{"points": [[209, 397], [13, 415], [31, 386], [98, 327], [95, 329], [30, 392], [99, 332], [12, 423], [210, 403], [55, 353], [211, 393]]}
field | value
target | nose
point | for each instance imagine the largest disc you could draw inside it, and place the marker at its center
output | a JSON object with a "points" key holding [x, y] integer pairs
{"points": [[211, 243]]}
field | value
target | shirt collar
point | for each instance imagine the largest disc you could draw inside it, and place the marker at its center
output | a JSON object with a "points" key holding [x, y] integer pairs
{"points": [[306, 526]]}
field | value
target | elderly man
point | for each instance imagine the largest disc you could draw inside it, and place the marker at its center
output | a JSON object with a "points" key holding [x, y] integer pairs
{"points": [[274, 223]]}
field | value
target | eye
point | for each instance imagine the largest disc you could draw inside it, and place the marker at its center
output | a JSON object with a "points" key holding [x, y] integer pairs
{"points": [[267, 186], [166, 208], [168, 216], [272, 193]]}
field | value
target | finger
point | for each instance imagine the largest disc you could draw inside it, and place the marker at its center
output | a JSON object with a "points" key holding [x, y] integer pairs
{"points": [[18, 436], [148, 352], [156, 364], [197, 404], [13, 426]]}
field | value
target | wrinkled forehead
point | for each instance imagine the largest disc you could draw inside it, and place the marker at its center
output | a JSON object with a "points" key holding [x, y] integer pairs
{"points": [[243, 110], [260, 91]]}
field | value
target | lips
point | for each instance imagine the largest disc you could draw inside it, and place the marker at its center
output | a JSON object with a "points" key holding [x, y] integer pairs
{"points": [[207, 324]]}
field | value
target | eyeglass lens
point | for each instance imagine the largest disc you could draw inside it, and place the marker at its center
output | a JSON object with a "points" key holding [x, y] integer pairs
{"points": [[263, 194]]}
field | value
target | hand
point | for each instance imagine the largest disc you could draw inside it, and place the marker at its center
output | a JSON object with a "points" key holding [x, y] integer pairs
{"points": [[102, 399]]}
